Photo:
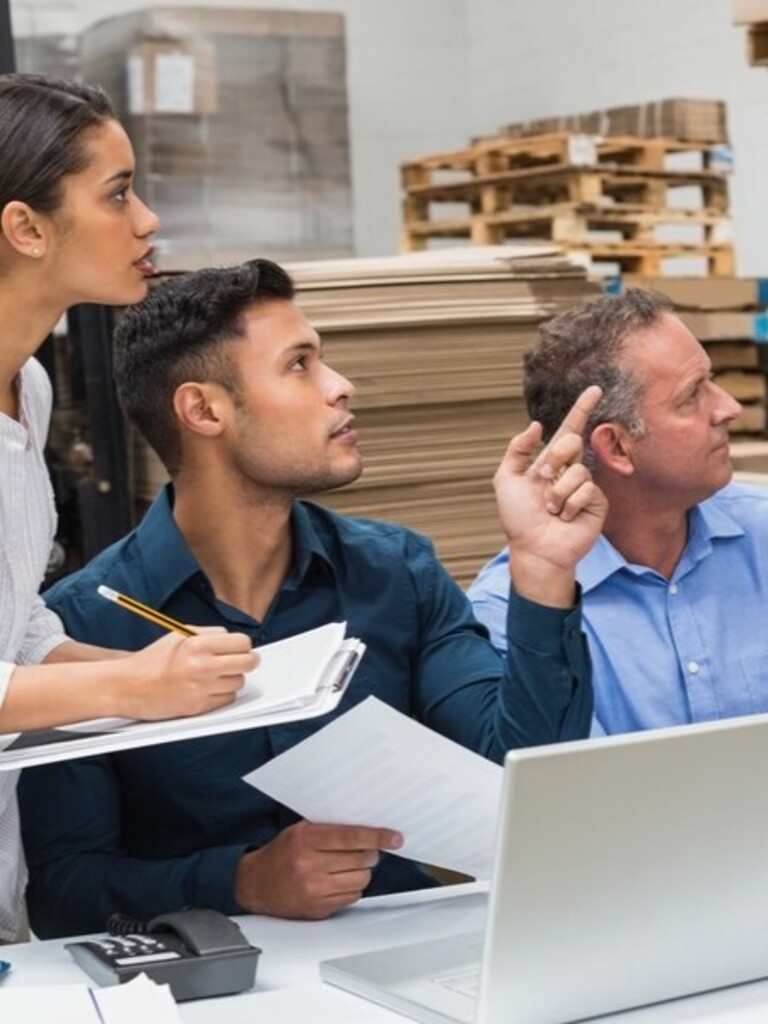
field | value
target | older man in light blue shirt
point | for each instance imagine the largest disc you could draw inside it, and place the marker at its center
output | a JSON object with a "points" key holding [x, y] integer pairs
{"points": [[675, 592], [667, 651]]}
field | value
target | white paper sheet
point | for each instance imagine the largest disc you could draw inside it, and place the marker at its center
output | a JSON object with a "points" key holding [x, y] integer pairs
{"points": [[140, 999], [136, 1000], [375, 766]]}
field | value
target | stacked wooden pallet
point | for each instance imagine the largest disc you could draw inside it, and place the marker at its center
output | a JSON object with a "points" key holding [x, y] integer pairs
{"points": [[635, 203], [730, 318], [433, 343]]}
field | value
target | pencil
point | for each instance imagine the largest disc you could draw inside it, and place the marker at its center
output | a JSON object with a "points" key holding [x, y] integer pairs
{"points": [[132, 605]]}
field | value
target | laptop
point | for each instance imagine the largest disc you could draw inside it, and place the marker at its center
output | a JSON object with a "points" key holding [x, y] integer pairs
{"points": [[628, 870]]}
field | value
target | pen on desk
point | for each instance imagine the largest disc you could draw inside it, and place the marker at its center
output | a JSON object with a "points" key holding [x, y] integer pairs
{"points": [[152, 614]]}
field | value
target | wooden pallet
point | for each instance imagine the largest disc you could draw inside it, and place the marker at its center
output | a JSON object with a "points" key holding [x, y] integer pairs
{"points": [[650, 261], [598, 186], [500, 154], [630, 255], [576, 223]]}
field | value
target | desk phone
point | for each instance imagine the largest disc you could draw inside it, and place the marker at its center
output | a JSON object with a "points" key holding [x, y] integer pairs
{"points": [[199, 953]]}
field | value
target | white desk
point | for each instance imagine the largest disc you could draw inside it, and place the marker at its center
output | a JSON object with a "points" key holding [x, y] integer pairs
{"points": [[289, 987]]}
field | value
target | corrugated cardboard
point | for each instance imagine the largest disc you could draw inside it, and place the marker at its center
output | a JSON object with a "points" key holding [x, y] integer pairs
{"points": [[748, 12]]}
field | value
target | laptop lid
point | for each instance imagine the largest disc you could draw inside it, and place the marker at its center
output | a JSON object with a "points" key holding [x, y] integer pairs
{"points": [[628, 870]]}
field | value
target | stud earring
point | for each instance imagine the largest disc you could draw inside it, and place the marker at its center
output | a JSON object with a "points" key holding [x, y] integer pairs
{"points": [[35, 252]]}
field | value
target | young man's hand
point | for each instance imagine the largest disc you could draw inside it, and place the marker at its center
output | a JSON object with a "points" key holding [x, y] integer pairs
{"points": [[311, 871]]}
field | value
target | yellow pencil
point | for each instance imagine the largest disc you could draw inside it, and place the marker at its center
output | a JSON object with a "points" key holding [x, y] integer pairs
{"points": [[132, 605]]}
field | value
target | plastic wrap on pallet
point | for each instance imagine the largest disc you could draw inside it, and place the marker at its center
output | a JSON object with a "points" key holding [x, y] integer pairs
{"points": [[48, 54], [240, 124]]}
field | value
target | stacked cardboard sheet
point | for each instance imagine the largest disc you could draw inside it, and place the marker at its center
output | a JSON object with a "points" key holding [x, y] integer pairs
{"points": [[753, 15], [694, 120], [433, 343]]}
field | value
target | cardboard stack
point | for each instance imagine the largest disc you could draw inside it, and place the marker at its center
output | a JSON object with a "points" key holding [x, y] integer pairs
{"points": [[730, 318], [753, 15], [433, 344], [639, 201], [689, 120], [239, 122]]}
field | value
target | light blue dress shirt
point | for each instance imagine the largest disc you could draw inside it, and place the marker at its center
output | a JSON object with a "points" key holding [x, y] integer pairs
{"points": [[668, 652]]}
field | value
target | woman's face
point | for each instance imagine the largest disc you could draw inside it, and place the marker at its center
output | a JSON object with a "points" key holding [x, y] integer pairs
{"points": [[98, 248]]}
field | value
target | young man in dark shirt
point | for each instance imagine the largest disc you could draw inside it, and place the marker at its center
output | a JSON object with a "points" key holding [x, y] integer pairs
{"points": [[223, 374]]}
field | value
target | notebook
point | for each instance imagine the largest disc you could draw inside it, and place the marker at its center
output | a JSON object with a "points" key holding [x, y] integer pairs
{"points": [[628, 870]]}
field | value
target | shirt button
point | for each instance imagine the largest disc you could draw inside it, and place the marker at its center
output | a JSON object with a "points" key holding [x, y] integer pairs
{"points": [[693, 667], [673, 589]]}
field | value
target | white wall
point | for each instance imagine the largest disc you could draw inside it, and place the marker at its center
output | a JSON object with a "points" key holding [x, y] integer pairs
{"points": [[558, 57], [407, 86]]}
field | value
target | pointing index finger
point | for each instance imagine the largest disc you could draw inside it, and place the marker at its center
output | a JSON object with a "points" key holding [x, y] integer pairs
{"points": [[575, 420], [579, 413]]}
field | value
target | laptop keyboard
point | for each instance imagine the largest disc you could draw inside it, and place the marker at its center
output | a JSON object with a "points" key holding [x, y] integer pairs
{"points": [[463, 980]]}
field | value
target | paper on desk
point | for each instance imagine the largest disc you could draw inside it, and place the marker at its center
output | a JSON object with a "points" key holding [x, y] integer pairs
{"points": [[140, 999], [375, 766]]}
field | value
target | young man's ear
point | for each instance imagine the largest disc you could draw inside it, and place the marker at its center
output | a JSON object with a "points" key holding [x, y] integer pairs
{"points": [[23, 229], [613, 448], [200, 408]]}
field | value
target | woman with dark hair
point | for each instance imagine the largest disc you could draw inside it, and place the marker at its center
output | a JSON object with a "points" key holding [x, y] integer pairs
{"points": [[71, 230]]}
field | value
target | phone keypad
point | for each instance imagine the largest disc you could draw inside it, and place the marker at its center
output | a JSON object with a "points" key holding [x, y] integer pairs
{"points": [[127, 950]]}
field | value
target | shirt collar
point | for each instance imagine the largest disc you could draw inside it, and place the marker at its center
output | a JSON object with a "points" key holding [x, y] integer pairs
{"points": [[169, 563], [706, 522], [310, 548]]}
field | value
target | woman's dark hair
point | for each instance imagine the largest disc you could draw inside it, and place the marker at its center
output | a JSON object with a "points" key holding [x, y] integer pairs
{"points": [[42, 121]]}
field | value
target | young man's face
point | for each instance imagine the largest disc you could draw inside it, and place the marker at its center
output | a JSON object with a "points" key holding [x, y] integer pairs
{"points": [[293, 431], [684, 456]]}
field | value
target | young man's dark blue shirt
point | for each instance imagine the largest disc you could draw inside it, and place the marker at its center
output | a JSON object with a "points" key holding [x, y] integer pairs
{"points": [[157, 829]]}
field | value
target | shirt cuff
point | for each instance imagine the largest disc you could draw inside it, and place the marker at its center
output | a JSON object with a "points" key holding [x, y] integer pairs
{"points": [[215, 881], [537, 627]]}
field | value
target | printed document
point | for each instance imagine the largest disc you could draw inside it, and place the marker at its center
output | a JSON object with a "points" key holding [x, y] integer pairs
{"points": [[375, 766]]}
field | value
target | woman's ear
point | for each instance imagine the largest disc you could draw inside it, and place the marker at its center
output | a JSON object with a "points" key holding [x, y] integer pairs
{"points": [[613, 448], [23, 229], [199, 408]]}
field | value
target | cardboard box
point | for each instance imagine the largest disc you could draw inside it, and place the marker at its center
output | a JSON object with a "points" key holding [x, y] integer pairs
{"points": [[706, 293], [757, 45], [748, 12], [690, 120]]}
